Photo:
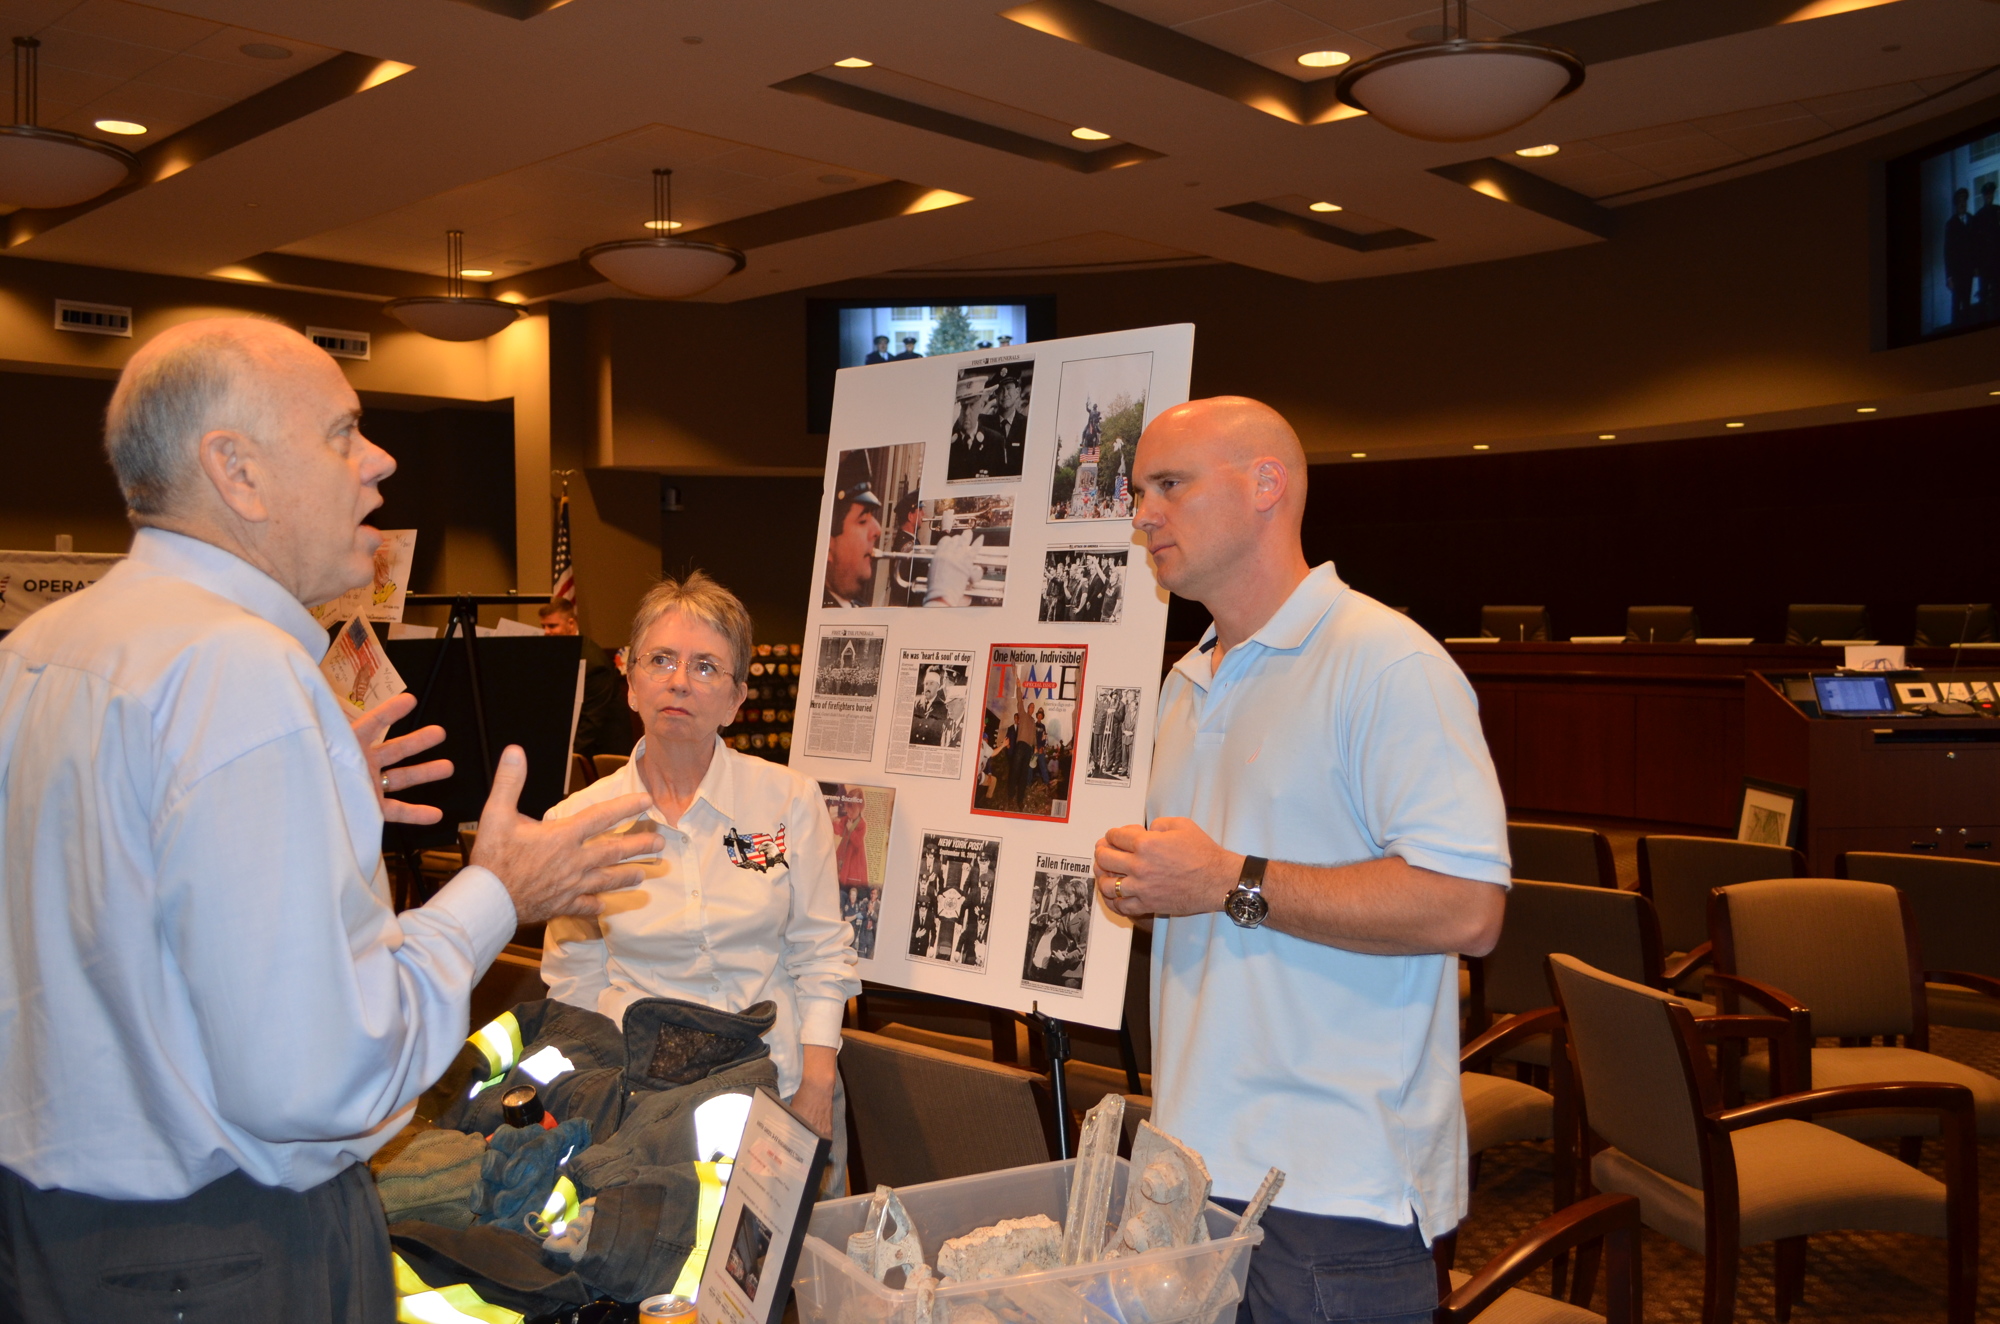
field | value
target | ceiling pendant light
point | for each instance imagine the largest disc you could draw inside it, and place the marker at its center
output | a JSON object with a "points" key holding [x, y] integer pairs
{"points": [[457, 315], [661, 267], [1460, 90], [47, 167]]}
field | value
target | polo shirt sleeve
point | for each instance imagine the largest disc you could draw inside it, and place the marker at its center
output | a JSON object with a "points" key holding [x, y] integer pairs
{"points": [[1427, 789]]}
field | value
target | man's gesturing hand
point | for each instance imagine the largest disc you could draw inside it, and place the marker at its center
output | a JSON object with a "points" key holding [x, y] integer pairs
{"points": [[1170, 868], [369, 728], [553, 868]]}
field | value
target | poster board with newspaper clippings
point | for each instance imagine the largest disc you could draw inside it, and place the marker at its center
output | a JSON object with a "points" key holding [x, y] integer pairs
{"points": [[1011, 733]]}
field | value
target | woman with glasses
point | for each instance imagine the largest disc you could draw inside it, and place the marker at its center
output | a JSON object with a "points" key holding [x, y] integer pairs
{"points": [[743, 904]]}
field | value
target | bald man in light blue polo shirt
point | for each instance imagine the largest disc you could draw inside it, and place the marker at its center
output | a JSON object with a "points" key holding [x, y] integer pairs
{"points": [[1326, 834]]}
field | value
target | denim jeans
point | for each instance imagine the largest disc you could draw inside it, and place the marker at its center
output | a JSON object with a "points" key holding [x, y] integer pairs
{"points": [[1319, 1269]]}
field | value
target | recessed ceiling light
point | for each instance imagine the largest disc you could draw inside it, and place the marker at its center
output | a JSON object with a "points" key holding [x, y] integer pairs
{"points": [[1357, 455], [1732, 425], [1088, 135], [1607, 436], [264, 50], [1481, 446], [1546, 149], [1324, 59], [663, 225], [475, 272], [1865, 409], [854, 62], [127, 127], [1324, 206]]}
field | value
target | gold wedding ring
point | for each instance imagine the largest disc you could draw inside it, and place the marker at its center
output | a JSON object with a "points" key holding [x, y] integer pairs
{"points": [[1118, 888]]}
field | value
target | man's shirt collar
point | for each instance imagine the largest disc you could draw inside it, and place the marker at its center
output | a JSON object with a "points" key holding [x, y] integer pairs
{"points": [[1289, 627], [229, 576]]}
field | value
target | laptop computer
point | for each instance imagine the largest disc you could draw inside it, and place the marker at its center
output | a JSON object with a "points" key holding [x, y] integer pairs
{"points": [[1854, 696]]}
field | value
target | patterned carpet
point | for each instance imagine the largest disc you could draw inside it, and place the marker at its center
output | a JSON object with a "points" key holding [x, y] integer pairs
{"points": [[1851, 1277]]}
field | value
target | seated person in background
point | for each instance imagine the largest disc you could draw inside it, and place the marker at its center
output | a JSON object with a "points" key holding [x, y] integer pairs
{"points": [[743, 903], [602, 727]]}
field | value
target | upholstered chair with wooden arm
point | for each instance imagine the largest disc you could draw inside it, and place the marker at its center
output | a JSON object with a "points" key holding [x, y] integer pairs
{"points": [[1720, 1179], [1845, 954], [1956, 903], [1677, 873], [1606, 1224]]}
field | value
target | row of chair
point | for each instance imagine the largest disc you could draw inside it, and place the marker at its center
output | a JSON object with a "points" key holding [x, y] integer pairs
{"points": [[1938, 625], [1871, 955]]}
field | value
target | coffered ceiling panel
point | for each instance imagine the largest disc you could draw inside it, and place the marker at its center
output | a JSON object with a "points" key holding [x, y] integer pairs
{"points": [[112, 60], [535, 130], [542, 214]]}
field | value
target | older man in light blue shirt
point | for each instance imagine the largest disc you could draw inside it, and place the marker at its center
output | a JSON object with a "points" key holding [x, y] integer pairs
{"points": [[1325, 835], [210, 1016]]}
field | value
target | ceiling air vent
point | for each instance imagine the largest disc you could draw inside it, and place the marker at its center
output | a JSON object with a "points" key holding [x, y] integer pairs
{"points": [[97, 319], [340, 344]]}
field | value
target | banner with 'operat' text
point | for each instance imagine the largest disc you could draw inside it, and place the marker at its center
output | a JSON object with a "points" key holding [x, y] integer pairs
{"points": [[30, 581]]}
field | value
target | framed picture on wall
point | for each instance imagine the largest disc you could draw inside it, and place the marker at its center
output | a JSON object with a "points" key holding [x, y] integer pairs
{"points": [[1769, 813]]}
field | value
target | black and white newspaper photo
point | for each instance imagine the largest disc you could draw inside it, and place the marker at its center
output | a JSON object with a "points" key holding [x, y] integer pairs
{"points": [[989, 423], [1084, 583], [1114, 723], [952, 921], [1027, 737], [927, 726], [1058, 924], [1100, 411], [846, 691]]}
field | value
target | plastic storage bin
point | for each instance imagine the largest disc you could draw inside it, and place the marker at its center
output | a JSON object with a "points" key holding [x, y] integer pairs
{"points": [[1195, 1284]]}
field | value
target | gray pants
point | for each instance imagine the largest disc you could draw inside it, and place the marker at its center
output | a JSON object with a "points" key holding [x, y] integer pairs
{"points": [[233, 1251]]}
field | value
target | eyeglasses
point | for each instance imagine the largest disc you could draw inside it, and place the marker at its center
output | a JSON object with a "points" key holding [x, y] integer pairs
{"points": [[702, 670]]}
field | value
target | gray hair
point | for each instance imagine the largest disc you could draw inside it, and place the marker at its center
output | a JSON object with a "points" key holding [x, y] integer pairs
{"points": [[708, 602], [161, 408]]}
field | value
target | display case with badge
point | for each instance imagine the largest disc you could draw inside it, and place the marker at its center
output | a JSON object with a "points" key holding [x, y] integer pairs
{"points": [[763, 725]]}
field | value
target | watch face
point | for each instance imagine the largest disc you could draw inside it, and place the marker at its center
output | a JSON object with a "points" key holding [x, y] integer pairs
{"points": [[1246, 908]]}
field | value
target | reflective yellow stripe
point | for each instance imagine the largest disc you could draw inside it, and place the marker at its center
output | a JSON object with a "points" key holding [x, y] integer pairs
{"points": [[417, 1303], [499, 1042], [714, 1176], [557, 1211]]}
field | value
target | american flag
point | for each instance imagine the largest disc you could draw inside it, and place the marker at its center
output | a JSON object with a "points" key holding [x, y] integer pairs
{"points": [[1124, 488], [561, 571]]}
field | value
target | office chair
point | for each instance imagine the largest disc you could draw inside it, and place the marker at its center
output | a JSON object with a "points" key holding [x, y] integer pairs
{"points": [[1520, 624], [1661, 625], [1816, 622], [1942, 624]]}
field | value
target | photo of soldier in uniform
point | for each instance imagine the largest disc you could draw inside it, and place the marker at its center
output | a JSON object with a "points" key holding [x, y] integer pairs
{"points": [[952, 919], [1114, 725], [1084, 583], [861, 818], [989, 422], [938, 719], [1058, 924]]}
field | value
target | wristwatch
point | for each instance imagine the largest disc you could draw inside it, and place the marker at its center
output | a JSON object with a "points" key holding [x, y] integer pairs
{"points": [[1245, 903]]}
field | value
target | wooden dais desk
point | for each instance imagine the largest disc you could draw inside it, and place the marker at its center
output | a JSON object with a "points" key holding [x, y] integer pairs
{"points": [[1645, 731]]}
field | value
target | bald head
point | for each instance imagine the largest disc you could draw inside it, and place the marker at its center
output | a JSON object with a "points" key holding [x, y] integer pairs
{"points": [[189, 380], [1238, 430], [1221, 487]]}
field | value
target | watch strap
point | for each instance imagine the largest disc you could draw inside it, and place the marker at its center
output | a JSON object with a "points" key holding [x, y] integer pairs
{"points": [[1252, 876]]}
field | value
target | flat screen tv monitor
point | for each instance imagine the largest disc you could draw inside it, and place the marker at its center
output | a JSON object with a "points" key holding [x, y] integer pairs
{"points": [[1854, 696], [1944, 237], [853, 333]]}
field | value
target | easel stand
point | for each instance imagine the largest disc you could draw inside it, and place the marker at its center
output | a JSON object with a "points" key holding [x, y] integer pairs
{"points": [[464, 624], [1055, 1046]]}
